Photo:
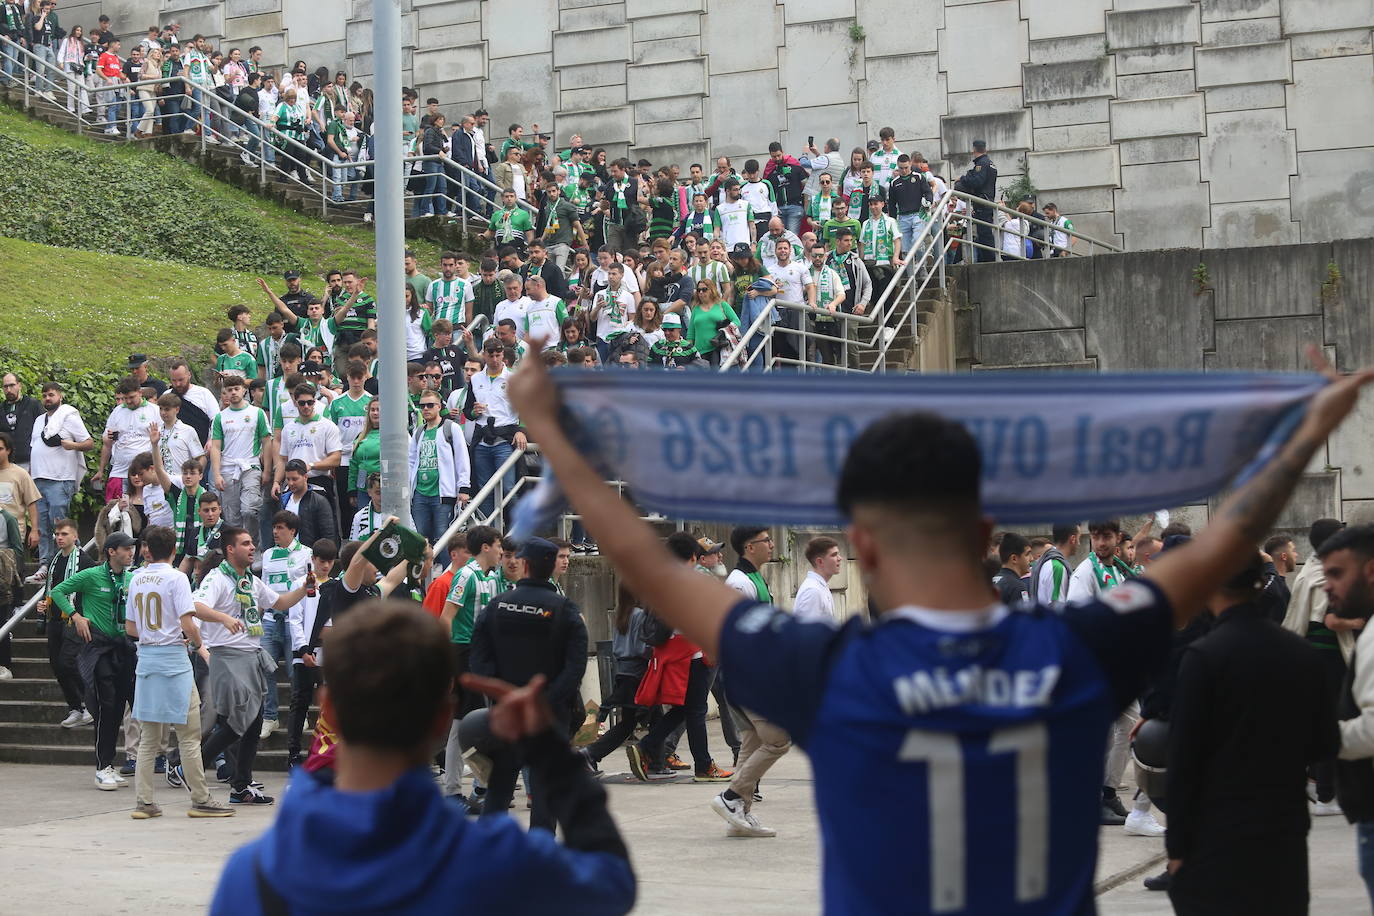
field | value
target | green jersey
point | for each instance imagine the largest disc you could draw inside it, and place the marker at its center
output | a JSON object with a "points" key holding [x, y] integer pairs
{"points": [[103, 593], [350, 416], [241, 363], [507, 224], [427, 468], [831, 227], [419, 283], [448, 298], [362, 308], [471, 590]]}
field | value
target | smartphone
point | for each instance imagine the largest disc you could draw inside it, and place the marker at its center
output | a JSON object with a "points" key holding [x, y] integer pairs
{"points": [[810, 142]]}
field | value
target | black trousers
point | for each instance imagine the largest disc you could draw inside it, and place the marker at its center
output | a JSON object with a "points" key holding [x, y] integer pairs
{"points": [[727, 721], [303, 683], [983, 235], [1220, 878], [222, 738], [63, 646], [505, 767], [109, 690], [693, 713], [1324, 771]]}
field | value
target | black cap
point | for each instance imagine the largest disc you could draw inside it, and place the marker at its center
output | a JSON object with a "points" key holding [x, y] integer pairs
{"points": [[538, 549], [291, 275], [137, 359], [584, 150], [741, 250], [310, 367], [872, 145], [118, 539], [980, 145]]}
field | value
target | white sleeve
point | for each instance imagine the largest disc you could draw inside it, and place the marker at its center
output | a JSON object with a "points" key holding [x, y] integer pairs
{"points": [[332, 442], [75, 427], [462, 466], [182, 601], [807, 604], [1080, 583], [266, 598], [295, 619]]}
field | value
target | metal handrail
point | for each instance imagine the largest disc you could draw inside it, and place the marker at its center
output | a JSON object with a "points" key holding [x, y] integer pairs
{"points": [[460, 521], [32, 602]]}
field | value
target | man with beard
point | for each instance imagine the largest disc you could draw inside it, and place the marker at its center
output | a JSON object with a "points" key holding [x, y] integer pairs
{"points": [[1347, 561], [17, 417], [57, 463]]}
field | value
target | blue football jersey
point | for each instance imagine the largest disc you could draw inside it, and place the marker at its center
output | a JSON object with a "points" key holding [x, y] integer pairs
{"points": [[958, 758]]}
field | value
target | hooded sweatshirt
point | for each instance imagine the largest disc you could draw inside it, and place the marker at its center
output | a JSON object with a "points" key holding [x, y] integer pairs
{"points": [[403, 849], [1050, 586]]}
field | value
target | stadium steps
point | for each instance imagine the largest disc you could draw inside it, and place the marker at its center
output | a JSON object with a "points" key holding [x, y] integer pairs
{"points": [[31, 706]]}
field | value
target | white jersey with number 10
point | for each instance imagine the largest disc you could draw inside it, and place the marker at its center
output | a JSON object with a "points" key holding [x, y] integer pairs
{"points": [[158, 596]]}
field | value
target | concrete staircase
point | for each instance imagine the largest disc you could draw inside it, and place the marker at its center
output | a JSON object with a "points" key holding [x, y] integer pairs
{"points": [[930, 349], [31, 706]]}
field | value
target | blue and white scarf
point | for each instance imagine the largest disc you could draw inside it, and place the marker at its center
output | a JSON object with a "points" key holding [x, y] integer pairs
{"points": [[768, 449]]}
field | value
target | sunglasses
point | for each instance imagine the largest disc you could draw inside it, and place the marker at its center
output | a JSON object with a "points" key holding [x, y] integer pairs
{"points": [[304, 402], [703, 289], [429, 406], [433, 375]]}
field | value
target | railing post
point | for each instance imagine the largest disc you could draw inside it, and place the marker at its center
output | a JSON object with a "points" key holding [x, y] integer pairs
{"points": [[324, 191]]}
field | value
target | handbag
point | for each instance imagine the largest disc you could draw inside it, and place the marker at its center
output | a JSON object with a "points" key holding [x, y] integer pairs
{"points": [[727, 336]]}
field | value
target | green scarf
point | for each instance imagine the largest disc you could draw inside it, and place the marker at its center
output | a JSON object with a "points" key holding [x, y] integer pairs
{"points": [[119, 582], [181, 511], [754, 576], [247, 598], [1109, 577], [72, 566], [202, 538]]}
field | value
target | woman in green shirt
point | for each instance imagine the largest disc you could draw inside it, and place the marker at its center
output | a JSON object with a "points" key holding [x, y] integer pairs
{"points": [[709, 312], [367, 454]]}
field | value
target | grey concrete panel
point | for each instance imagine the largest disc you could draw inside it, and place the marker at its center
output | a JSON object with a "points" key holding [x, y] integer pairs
{"points": [[1075, 168], [456, 98], [591, 47], [1154, 60], [1060, 114], [759, 19], [827, 120], [689, 106], [1217, 10], [668, 133], [1155, 85], [448, 64], [1147, 28], [637, 9], [1031, 348], [1074, 136], [1246, 98], [451, 12], [1350, 315], [878, 16], [1265, 222], [1099, 225], [449, 36], [1008, 131], [1241, 32], [1034, 296], [245, 7], [262, 24], [685, 47], [591, 17], [310, 23], [681, 153], [1267, 282], [656, 81], [1333, 194], [1237, 64], [978, 101], [657, 27], [514, 29], [1268, 344], [1073, 80], [820, 63], [1162, 205], [1325, 15], [273, 49], [591, 98], [744, 109], [1063, 50], [1146, 314], [1063, 18], [1157, 117], [1322, 95], [1331, 44], [331, 54], [1077, 201], [599, 74], [206, 20], [598, 128], [1246, 155], [817, 10], [914, 114], [983, 46], [522, 90]]}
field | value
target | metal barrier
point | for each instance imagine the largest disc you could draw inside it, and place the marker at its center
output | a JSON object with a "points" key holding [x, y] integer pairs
{"points": [[32, 603], [218, 123]]}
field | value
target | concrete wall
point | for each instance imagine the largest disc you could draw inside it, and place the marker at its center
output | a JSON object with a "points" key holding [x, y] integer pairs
{"points": [[1154, 123], [1189, 309]]}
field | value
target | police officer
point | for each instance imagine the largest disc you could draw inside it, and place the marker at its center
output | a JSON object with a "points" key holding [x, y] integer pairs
{"points": [[526, 631], [981, 181]]}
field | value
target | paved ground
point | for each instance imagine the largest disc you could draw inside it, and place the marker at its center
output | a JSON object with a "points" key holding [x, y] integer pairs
{"points": [[66, 846]]}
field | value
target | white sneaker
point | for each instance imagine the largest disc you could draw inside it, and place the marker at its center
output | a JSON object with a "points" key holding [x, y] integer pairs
{"points": [[731, 811], [119, 780], [752, 828], [106, 780], [5, 673], [73, 719], [1326, 809], [112, 131], [86, 719], [268, 727], [1142, 823]]}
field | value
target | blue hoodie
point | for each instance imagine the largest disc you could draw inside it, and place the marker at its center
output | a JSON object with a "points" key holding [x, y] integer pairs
{"points": [[403, 849]]}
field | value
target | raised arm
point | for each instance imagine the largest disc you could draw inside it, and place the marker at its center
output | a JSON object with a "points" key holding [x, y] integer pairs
{"points": [[1190, 574]]}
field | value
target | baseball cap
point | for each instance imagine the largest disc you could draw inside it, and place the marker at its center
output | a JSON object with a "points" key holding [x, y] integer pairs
{"points": [[118, 539], [291, 275], [584, 150], [872, 145], [137, 359], [671, 320], [709, 546], [310, 367], [538, 549], [741, 250]]}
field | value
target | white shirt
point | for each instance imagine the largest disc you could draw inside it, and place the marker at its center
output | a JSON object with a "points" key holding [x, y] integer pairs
{"points": [[283, 565], [602, 278], [814, 603], [1083, 583], [241, 430], [1012, 242], [218, 592], [512, 309], [756, 194], [178, 445], [157, 507], [59, 463], [615, 311], [158, 596], [492, 392], [132, 426], [735, 220], [792, 281], [310, 440]]}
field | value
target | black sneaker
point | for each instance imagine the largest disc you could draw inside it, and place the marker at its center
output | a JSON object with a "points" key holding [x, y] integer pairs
{"points": [[224, 772], [1159, 882], [254, 784], [1109, 816], [176, 777], [250, 796], [587, 759], [758, 796], [128, 768], [160, 764], [295, 760]]}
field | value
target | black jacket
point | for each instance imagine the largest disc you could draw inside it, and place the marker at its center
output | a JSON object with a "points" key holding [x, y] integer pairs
{"points": [[980, 180], [316, 515], [554, 279], [1251, 710], [531, 630], [17, 419]]}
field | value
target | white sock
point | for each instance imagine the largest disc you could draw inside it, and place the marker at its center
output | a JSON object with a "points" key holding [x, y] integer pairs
{"points": [[1141, 803]]}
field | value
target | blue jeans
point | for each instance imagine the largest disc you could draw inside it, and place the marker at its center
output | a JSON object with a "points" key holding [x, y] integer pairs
{"points": [[911, 226], [1364, 837], [55, 499], [172, 120], [431, 516], [10, 64], [342, 173], [43, 79], [487, 459], [277, 641], [426, 202], [791, 216], [194, 108]]}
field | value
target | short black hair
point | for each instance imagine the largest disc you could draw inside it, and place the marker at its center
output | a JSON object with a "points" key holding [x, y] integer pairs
{"points": [[912, 461], [540, 567], [1322, 530], [481, 536], [1105, 525], [1276, 543], [325, 549], [287, 518], [1013, 545], [1358, 539], [743, 534], [1061, 533], [160, 542], [683, 546], [390, 671]]}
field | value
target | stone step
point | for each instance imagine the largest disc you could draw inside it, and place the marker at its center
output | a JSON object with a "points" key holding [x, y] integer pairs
{"points": [[37, 711], [271, 759], [45, 689], [47, 734]]}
